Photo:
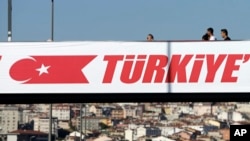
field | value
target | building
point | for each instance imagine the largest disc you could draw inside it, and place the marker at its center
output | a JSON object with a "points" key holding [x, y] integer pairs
{"points": [[157, 108], [185, 109], [129, 135], [130, 111], [195, 128], [74, 136], [63, 124], [139, 110], [168, 110], [206, 108], [96, 110], [150, 115], [62, 112], [132, 126], [213, 123], [225, 134], [166, 131], [74, 111], [103, 137], [215, 134], [92, 123], [141, 131], [184, 135], [28, 135], [243, 107], [153, 132], [235, 116], [117, 134], [161, 138], [222, 116], [10, 118], [28, 115], [147, 106], [117, 113], [42, 124], [43, 108]]}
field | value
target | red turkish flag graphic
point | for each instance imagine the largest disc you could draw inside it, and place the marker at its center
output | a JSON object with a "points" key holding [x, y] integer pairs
{"points": [[51, 69]]}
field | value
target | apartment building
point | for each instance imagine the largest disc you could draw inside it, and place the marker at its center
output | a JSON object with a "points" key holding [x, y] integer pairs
{"points": [[28, 115], [130, 111], [61, 111], [118, 113], [92, 123], [97, 110], [42, 124], [43, 108], [10, 117]]}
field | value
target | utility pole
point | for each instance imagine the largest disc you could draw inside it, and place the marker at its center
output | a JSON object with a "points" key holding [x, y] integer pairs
{"points": [[75, 119], [9, 20], [85, 118], [81, 122], [52, 20], [50, 122]]}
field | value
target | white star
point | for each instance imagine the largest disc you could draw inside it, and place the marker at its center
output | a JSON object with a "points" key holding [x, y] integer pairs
{"points": [[43, 69]]}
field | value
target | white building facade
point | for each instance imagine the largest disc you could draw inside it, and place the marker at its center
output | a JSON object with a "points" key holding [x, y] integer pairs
{"points": [[129, 135], [42, 124], [11, 116], [62, 112]]}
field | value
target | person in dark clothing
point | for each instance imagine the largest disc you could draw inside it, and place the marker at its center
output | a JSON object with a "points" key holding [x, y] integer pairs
{"points": [[205, 37], [224, 34], [150, 37]]}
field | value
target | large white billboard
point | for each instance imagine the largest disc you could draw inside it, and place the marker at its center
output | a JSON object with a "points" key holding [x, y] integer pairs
{"points": [[79, 67], [102, 67]]}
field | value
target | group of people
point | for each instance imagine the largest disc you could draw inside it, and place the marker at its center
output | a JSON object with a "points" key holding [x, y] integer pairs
{"points": [[209, 35]]}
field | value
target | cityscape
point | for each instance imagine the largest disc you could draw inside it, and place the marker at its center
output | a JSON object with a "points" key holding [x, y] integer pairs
{"points": [[155, 121]]}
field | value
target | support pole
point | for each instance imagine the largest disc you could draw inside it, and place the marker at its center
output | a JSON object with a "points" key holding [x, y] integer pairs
{"points": [[50, 122], [52, 20], [9, 20], [80, 121]]}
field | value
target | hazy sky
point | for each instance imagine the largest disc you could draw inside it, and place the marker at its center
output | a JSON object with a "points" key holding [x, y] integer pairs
{"points": [[123, 20]]}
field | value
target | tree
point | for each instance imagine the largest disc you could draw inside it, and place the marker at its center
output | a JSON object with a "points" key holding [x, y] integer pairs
{"points": [[32, 124], [62, 133], [191, 105], [235, 107], [71, 126], [103, 126]]}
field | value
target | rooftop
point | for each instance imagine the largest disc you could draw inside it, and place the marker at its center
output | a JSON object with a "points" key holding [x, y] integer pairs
{"points": [[30, 132]]}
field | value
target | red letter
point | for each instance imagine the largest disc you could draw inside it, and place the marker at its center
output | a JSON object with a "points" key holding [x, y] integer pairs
{"points": [[156, 63], [178, 67], [110, 70], [0, 57], [246, 58], [212, 66], [195, 74], [127, 69], [230, 67]]}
